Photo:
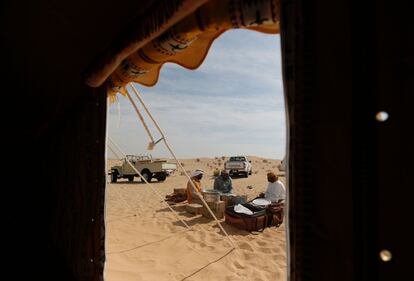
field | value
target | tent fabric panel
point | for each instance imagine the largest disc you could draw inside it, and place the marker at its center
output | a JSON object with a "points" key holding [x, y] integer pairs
{"points": [[320, 217], [159, 17], [394, 150], [349, 183], [49, 206], [187, 42], [79, 186]]}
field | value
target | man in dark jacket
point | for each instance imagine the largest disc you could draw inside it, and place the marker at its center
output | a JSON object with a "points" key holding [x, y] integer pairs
{"points": [[223, 182]]}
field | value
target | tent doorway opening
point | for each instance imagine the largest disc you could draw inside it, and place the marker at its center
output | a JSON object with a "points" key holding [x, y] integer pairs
{"points": [[232, 105]]}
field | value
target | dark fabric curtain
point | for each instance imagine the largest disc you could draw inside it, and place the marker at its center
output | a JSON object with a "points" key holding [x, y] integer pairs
{"points": [[349, 184], [54, 206]]}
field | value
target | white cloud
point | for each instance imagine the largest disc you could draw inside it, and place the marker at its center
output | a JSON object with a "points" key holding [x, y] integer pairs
{"points": [[233, 104]]}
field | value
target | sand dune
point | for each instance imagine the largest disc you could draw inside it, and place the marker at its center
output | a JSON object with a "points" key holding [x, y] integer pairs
{"points": [[146, 241]]}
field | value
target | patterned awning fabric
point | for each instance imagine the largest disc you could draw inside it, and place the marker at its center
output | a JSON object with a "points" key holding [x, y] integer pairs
{"points": [[188, 41]]}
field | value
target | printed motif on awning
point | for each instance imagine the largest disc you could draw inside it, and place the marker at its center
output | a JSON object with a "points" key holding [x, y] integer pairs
{"points": [[188, 41]]}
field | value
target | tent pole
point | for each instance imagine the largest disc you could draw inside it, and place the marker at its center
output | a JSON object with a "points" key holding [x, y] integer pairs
{"points": [[182, 168]]}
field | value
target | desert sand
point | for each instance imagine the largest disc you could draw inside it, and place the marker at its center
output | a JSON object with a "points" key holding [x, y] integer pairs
{"points": [[146, 241]]}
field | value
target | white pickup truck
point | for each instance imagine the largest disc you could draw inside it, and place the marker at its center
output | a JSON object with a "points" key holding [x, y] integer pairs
{"points": [[282, 165], [238, 165], [148, 167], [282, 168]]}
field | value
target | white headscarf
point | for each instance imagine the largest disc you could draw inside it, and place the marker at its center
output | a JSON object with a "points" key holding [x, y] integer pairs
{"points": [[197, 173]]}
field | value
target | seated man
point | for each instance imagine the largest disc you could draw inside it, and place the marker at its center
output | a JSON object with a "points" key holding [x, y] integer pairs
{"points": [[276, 191], [223, 182], [192, 196]]}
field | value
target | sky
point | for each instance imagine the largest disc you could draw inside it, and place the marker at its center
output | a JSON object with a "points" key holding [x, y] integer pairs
{"points": [[233, 104]]}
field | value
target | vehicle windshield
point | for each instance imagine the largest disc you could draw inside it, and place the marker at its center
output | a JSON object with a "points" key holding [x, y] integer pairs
{"points": [[134, 158], [237, 158]]}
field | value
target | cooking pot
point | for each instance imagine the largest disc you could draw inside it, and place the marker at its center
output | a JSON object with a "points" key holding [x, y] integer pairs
{"points": [[211, 195]]}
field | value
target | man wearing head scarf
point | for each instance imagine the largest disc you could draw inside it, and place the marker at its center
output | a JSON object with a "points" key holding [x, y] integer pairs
{"points": [[196, 177], [276, 191], [223, 182]]}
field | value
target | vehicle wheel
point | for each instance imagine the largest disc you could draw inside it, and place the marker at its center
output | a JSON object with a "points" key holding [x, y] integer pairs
{"points": [[114, 177], [246, 175], [147, 175], [161, 177], [130, 178], [250, 172]]}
